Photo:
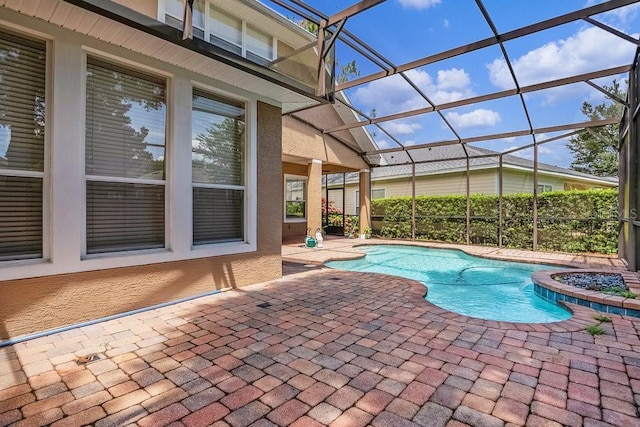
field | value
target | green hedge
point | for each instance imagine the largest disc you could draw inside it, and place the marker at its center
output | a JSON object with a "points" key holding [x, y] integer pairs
{"points": [[568, 221]]}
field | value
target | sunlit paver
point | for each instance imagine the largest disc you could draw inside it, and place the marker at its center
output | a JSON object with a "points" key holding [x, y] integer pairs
{"points": [[324, 347]]}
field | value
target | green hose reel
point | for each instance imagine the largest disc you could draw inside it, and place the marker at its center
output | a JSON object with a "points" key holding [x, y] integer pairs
{"points": [[309, 241]]}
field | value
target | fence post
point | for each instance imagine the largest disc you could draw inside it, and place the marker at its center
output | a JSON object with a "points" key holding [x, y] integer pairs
{"points": [[500, 183], [413, 201], [535, 195]]}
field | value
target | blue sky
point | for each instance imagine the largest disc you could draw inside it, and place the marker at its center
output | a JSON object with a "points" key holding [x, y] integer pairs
{"points": [[407, 30]]}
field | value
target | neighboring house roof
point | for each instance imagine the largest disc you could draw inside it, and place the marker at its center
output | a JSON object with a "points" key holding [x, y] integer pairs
{"points": [[458, 164]]}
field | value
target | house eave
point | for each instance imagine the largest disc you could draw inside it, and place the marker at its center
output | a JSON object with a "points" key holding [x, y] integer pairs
{"points": [[138, 21]]}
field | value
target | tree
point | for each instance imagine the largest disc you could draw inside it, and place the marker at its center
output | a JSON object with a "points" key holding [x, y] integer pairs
{"points": [[596, 151], [310, 26], [346, 71], [220, 152], [117, 101]]}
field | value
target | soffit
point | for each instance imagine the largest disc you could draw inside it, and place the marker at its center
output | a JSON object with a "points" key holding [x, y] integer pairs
{"points": [[94, 25]]}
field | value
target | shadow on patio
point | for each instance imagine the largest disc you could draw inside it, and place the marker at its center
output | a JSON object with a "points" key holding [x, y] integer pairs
{"points": [[323, 347]]}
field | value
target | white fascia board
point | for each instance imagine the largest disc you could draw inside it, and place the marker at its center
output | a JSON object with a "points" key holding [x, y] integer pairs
{"points": [[592, 179]]}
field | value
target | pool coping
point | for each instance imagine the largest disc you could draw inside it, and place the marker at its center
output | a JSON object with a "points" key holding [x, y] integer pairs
{"points": [[546, 287]]}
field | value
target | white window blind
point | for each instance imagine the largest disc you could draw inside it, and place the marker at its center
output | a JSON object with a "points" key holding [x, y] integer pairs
{"points": [[218, 169], [174, 12], [226, 31], [259, 46], [22, 109], [124, 159]]}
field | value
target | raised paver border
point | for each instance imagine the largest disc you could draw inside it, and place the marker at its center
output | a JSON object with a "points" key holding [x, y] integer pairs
{"points": [[546, 287]]}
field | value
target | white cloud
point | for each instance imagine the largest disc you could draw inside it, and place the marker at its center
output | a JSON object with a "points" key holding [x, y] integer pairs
{"points": [[580, 53], [622, 16], [475, 118], [393, 94], [445, 24], [455, 78], [418, 4], [396, 128]]}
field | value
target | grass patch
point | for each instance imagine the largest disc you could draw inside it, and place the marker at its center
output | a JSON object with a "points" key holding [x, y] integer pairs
{"points": [[595, 330], [620, 292], [603, 319]]}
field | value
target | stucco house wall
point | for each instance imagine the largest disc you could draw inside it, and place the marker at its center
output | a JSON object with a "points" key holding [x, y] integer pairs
{"points": [[66, 286]]}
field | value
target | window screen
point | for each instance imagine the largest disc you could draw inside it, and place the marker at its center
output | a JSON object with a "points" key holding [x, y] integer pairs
{"points": [[124, 159], [218, 169], [22, 109]]}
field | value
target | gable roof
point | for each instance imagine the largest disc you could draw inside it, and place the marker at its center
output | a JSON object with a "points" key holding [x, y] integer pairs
{"points": [[450, 159]]}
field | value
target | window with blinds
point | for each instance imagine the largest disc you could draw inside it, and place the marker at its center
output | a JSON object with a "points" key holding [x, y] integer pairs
{"points": [[218, 169], [259, 46], [226, 31], [124, 159], [174, 12], [22, 126], [223, 29]]}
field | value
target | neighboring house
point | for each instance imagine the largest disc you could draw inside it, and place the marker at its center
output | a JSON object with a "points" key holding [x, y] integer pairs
{"points": [[449, 177], [137, 168]]}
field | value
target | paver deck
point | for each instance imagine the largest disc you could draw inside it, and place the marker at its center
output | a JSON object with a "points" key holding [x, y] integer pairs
{"points": [[324, 347]]}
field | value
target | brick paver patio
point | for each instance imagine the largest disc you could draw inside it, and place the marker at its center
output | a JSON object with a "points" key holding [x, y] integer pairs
{"points": [[324, 347]]}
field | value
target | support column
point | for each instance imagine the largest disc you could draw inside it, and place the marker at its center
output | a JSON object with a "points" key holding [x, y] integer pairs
{"points": [[500, 191], [535, 196], [314, 195], [413, 201], [468, 211], [365, 200]]}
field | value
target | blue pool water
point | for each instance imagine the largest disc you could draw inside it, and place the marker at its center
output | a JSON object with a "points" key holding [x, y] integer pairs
{"points": [[473, 286]]}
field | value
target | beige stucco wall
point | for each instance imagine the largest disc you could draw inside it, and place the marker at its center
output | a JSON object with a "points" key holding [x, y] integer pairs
{"points": [[146, 7], [37, 304], [303, 141]]}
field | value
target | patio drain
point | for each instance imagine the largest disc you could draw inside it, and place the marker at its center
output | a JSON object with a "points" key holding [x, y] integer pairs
{"points": [[264, 305], [83, 360]]}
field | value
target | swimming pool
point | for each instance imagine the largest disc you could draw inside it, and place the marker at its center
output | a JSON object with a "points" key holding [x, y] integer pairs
{"points": [[465, 284]]}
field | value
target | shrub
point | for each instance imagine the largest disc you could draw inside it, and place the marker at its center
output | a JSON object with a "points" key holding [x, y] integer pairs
{"points": [[568, 221]]}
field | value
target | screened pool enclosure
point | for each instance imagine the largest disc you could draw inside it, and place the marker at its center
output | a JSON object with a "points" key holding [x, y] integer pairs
{"points": [[430, 104]]}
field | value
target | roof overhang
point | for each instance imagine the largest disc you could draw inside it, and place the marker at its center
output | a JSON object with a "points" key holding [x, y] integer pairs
{"points": [[118, 25]]}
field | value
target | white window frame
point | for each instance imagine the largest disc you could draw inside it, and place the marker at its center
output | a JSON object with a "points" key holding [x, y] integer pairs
{"points": [[357, 203], [289, 177], [64, 209], [545, 188], [99, 178], [207, 32], [249, 196]]}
